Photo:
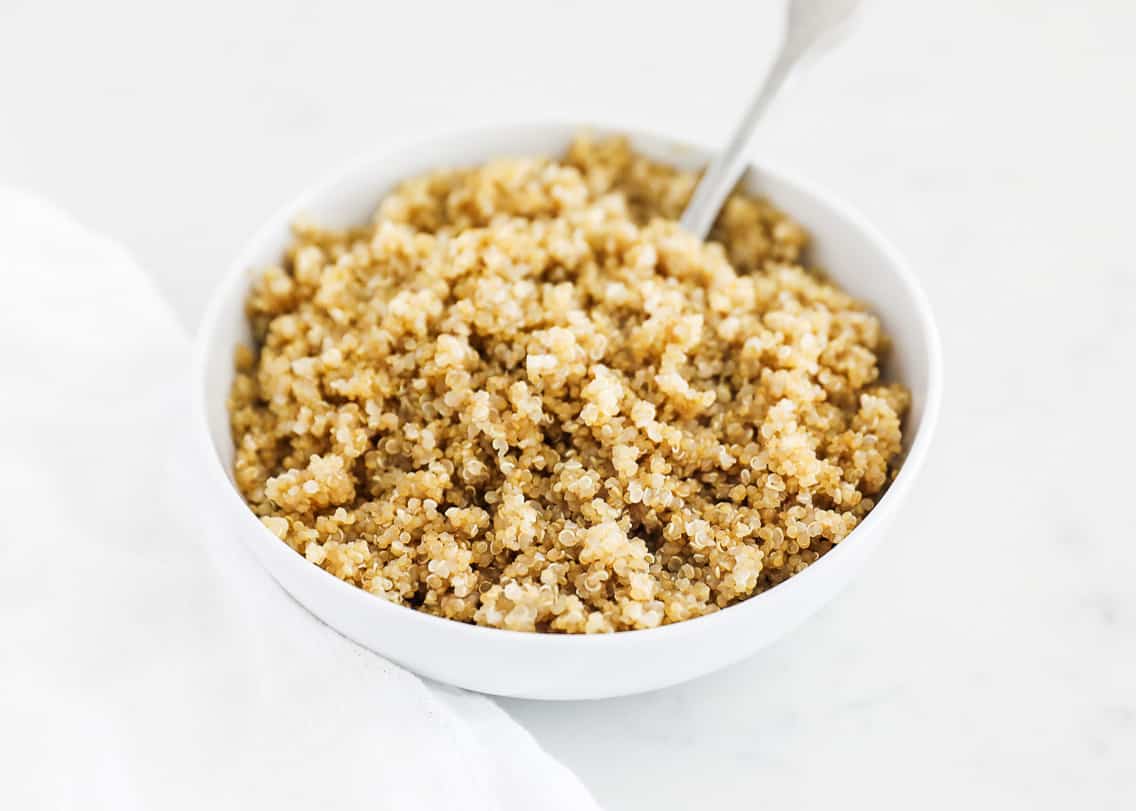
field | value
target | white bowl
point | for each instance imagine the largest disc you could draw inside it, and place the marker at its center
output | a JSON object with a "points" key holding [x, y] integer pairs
{"points": [[548, 666]]}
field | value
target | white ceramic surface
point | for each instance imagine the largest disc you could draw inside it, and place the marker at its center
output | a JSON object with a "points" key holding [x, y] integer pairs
{"points": [[552, 666]]}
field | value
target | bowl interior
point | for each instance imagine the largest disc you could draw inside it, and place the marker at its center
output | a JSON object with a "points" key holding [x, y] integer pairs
{"points": [[842, 243]]}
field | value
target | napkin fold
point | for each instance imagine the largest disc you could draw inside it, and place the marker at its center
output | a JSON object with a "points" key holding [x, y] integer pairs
{"points": [[147, 661]]}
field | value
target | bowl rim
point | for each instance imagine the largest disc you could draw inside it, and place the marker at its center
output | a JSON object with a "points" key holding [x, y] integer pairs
{"points": [[237, 274]]}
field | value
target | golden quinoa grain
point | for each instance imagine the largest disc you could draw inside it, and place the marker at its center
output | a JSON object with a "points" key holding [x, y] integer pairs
{"points": [[523, 397]]}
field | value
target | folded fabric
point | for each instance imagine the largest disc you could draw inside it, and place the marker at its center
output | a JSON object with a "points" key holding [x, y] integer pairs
{"points": [[147, 661]]}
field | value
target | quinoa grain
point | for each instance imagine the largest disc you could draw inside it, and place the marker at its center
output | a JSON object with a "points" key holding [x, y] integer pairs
{"points": [[523, 397]]}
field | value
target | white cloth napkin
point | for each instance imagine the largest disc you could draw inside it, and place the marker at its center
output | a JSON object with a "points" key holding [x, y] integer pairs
{"points": [[145, 662]]}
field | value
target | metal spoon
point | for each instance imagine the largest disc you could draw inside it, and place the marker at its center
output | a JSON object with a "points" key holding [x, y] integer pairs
{"points": [[808, 23]]}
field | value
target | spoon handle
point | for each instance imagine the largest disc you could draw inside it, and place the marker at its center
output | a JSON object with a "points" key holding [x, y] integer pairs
{"points": [[807, 22], [726, 169]]}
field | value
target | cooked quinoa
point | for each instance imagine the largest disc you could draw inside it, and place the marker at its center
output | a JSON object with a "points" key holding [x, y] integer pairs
{"points": [[523, 397]]}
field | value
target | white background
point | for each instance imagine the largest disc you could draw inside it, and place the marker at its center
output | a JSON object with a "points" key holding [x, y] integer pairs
{"points": [[988, 653]]}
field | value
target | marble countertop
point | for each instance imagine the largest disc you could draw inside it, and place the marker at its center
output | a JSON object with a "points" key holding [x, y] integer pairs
{"points": [[988, 653]]}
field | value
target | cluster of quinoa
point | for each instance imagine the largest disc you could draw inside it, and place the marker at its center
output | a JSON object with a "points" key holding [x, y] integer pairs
{"points": [[524, 397]]}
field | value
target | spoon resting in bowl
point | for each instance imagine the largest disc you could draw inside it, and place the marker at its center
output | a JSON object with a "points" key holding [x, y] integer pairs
{"points": [[810, 25]]}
